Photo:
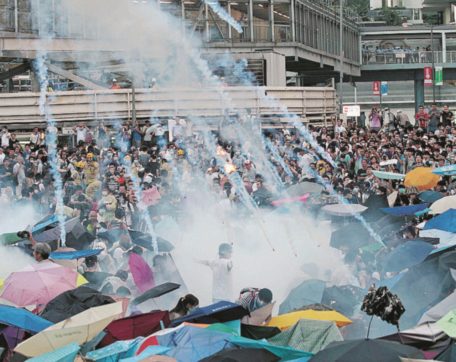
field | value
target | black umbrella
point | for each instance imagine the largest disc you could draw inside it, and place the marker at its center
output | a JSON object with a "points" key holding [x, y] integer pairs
{"points": [[242, 355], [343, 298], [146, 241], [353, 235], [258, 332], [362, 350], [308, 292], [73, 302], [96, 279], [156, 292], [448, 355]]}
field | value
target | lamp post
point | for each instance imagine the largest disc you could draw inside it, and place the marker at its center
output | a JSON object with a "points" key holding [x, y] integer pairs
{"points": [[341, 55], [433, 63]]}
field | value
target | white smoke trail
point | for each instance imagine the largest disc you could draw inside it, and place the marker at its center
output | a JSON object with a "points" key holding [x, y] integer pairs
{"points": [[223, 14], [51, 142]]}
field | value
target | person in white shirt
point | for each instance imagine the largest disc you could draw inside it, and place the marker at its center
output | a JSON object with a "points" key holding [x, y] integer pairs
{"points": [[339, 127], [222, 275], [5, 138], [81, 132], [35, 137]]}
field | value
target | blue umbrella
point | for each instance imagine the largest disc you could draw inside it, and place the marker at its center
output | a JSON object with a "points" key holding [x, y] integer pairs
{"points": [[430, 196], [115, 351], [406, 255], [404, 210], [449, 170], [65, 354], [22, 319], [218, 312], [45, 223], [308, 292], [77, 254], [445, 222], [149, 351]]}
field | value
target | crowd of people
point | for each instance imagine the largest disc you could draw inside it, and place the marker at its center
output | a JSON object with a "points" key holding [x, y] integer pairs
{"points": [[399, 54], [116, 177]]}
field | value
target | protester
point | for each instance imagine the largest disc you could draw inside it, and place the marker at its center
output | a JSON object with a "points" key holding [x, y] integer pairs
{"points": [[254, 298], [184, 306]]}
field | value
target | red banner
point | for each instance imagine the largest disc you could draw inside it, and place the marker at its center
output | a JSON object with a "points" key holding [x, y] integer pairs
{"points": [[427, 76], [376, 88]]}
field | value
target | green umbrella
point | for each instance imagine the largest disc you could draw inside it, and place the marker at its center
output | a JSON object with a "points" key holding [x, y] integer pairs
{"points": [[448, 323], [9, 238]]}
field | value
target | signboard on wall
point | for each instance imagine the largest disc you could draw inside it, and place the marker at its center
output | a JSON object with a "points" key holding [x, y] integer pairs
{"points": [[351, 111], [376, 88], [427, 76]]}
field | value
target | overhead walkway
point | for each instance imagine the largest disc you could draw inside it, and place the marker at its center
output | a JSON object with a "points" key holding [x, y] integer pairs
{"points": [[271, 104]]}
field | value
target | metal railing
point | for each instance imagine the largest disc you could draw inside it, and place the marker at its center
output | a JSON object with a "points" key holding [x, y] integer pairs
{"points": [[407, 57]]}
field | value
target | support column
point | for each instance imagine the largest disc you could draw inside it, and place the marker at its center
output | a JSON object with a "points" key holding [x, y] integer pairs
{"points": [[252, 37], [230, 34], [444, 47], [419, 93], [206, 21], [271, 20], [293, 22]]}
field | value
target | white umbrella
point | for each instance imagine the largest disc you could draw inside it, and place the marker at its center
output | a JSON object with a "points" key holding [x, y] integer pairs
{"points": [[388, 175], [443, 204], [79, 328], [344, 209]]}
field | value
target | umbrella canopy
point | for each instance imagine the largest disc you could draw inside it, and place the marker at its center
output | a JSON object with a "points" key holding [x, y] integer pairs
{"points": [[308, 292], [308, 335], [439, 310], [421, 178], [449, 170], [242, 355], [343, 298], [445, 221], [405, 210], [285, 321], [258, 332], [38, 284], [304, 188], [145, 356], [448, 323], [115, 351], [141, 272], [22, 319], [73, 302], [354, 235], [372, 350], [135, 326], [444, 204], [344, 209], [218, 312], [9, 238], [80, 328], [448, 355], [406, 255], [156, 292], [430, 196], [64, 354], [423, 336], [388, 175], [71, 255], [259, 316]]}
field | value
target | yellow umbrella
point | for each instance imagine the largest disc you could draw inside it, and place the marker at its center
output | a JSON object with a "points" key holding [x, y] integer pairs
{"points": [[80, 281], [421, 178], [79, 328], [285, 321], [1, 283]]}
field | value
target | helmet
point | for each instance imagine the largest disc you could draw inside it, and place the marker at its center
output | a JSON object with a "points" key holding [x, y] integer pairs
{"points": [[265, 295], [180, 152], [225, 248]]}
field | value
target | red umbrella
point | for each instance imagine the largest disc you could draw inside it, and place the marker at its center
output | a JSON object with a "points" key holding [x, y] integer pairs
{"points": [[141, 272], [135, 326]]}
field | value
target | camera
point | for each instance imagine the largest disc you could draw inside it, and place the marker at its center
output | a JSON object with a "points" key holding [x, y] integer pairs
{"points": [[24, 234]]}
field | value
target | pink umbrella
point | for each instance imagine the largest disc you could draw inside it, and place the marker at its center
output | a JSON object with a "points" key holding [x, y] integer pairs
{"points": [[141, 272], [151, 196], [288, 200], [38, 284]]}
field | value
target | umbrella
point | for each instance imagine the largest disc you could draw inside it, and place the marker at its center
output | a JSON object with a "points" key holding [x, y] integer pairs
{"points": [[258, 332], [54, 233], [259, 316], [448, 323], [449, 170], [439, 310], [388, 175], [45, 223], [218, 312], [445, 221], [405, 210], [38, 284], [64, 354], [141, 272], [135, 326], [80, 328], [372, 350], [289, 200], [71, 255], [22, 319], [9, 238], [343, 298], [96, 279], [308, 335], [354, 235], [344, 209], [448, 355], [150, 351], [145, 240], [156, 292], [430, 196], [284, 353], [444, 204], [242, 355], [73, 302], [115, 351], [406, 255], [421, 178], [304, 188], [423, 336], [308, 292], [285, 321]]}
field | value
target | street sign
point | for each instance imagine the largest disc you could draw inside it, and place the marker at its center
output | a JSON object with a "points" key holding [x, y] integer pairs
{"points": [[376, 88], [351, 111], [427, 76], [384, 88], [438, 76]]}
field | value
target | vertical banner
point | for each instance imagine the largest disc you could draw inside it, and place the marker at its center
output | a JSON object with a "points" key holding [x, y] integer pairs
{"points": [[384, 88], [438, 77], [427, 76], [376, 88]]}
